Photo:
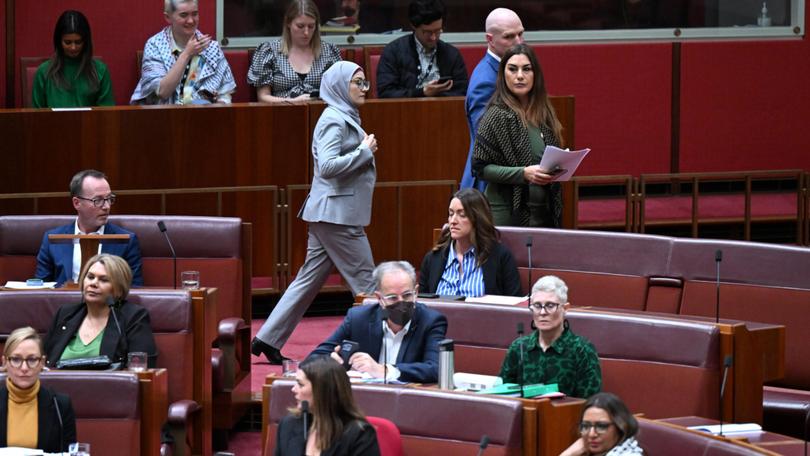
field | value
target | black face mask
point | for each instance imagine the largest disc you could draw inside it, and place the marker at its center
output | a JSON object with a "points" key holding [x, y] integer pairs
{"points": [[400, 312]]}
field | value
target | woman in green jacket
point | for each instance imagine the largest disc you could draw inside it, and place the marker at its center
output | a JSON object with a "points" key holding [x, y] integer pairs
{"points": [[513, 133], [71, 78]]}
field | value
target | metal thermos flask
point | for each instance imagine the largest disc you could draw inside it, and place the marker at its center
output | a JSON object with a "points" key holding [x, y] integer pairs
{"points": [[446, 367]]}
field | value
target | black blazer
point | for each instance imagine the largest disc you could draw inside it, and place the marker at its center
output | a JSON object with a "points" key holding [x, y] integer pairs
{"points": [[135, 325], [500, 272], [399, 69], [49, 435], [359, 439]]}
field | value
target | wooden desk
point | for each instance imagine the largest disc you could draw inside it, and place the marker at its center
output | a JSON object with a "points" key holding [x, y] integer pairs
{"points": [[770, 441]]}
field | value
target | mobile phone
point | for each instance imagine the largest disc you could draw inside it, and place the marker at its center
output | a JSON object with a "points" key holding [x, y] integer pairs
{"points": [[347, 349], [444, 79], [315, 94]]}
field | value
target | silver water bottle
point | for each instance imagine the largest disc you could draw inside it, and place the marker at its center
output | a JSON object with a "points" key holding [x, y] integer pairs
{"points": [[446, 366]]}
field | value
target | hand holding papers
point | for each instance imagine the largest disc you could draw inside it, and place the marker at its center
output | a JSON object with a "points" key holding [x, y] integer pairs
{"points": [[562, 162]]}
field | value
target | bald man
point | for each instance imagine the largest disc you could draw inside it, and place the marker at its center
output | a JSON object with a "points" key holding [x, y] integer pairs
{"points": [[503, 30]]}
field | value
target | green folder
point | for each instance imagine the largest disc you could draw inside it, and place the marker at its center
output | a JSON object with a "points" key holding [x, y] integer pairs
{"points": [[513, 389]]}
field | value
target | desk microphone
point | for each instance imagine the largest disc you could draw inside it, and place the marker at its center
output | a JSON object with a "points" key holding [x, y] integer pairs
{"points": [[520, 358], [483, 445], [806, 424], [385, 351], [61, 426], [304, 411], [162, 228], [727, 362], [529, 253], [113, 304], [718, 257]]}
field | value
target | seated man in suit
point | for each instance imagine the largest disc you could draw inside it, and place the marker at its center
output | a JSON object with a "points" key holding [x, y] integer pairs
{"points": [[420, 64], [92, 199], [409, 331]]}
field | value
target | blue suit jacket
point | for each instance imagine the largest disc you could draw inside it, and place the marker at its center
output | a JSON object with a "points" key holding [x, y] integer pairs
{"points": [[55, 261], [480, 90], [418, 359]]}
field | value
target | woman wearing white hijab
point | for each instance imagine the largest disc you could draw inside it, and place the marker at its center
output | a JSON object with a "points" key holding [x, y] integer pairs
{"points": [[337, 209]]}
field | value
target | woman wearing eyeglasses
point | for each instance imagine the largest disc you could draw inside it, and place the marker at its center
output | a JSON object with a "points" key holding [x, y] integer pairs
{"points": [[468, 259], [607, 428], [337, 208], [31, 415], [552, 353], [104, 323]]}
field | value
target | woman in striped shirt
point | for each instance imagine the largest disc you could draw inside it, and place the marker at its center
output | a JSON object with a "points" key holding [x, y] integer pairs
{"points": [[468, 259]]}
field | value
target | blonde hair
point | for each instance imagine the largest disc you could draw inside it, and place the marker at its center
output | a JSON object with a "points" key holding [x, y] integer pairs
{"points": [[118, 272], [302, 8], [19, 336]]}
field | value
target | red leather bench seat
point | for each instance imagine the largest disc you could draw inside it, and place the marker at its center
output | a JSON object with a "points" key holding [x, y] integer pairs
{"points": [[662, 438], [430, 421]]}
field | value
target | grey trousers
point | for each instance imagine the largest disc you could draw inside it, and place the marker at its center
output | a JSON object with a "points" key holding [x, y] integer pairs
{"points": [[346, 248]]}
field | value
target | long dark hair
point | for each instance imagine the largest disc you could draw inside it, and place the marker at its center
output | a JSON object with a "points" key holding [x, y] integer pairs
{"points": [[333, 406], [72, 21], [484, 235], [625, 422], [539, 110]]}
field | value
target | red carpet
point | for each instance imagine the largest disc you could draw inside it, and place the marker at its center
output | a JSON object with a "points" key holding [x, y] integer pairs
{"points": [[307, 335]]}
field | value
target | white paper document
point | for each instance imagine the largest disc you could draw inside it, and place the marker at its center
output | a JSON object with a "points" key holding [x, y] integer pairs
{"points": [[22, 285], [730, 428], [565, 160], [498, 299]]}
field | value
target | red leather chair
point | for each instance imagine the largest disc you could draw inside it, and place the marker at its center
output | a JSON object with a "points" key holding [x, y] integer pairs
{"points": [[388, 436]]}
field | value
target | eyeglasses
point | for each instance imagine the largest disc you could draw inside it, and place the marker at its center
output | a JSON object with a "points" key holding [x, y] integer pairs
{"points": [[600, 427], [98, 201], [362, 84], [430, 33], [549, 307], [408, 296], [16, 361]]}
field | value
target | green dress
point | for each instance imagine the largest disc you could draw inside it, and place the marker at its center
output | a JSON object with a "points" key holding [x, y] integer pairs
{"points": [[501, 179], [47, 95]]}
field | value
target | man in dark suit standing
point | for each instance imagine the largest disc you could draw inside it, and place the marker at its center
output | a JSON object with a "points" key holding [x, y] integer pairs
{"points": [[92, 198], [408, 331]]}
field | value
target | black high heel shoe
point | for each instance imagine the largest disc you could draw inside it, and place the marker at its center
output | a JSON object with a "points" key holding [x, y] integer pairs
{"points": [[273, 354]]}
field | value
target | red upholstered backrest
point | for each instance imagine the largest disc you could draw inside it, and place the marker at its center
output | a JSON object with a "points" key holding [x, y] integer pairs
{"points": [[639, 354], [472, 54], [661, 438], [211, 245], [170, 314], [430, 421], [239, 61], [372, 61], [388, 436], [107, 408], [28, 69], [601, 268], [759, 282]]}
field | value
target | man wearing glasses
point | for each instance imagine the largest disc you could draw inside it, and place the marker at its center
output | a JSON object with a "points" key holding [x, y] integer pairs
{"points": [[399, 337], [92, 198], [553, 353], [420, 64]]}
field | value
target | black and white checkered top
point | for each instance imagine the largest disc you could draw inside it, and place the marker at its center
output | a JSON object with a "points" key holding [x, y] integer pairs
{"points": [[271, 67]]}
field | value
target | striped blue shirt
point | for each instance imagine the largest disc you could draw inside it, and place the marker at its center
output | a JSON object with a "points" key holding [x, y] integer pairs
{"points": [[468, 282]]}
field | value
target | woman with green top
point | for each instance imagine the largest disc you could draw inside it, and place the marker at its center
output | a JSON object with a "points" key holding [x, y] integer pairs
{"points": [[71, 77], [104, 323], [513, 133]]}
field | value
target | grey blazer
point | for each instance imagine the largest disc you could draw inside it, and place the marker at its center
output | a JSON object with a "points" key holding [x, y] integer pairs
{"points": [[344, 174]]}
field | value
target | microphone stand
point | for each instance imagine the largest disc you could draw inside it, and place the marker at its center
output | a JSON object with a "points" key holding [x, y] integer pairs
{"points": [[806, 424], [520, 359], [483, 445], [162, 228], [529, 252], [384, 349], [304, 411], [61, 425], [726, 365], [718, 257]]}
